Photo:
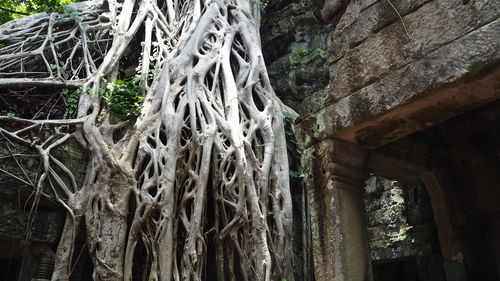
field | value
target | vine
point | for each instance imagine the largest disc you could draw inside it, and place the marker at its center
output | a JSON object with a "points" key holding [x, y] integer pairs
{"points": [[71, 102]]}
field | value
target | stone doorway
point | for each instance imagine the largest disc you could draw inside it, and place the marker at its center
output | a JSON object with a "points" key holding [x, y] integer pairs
{"points": [[9, 269], [396, 270], [458, 162], [402, 235]]}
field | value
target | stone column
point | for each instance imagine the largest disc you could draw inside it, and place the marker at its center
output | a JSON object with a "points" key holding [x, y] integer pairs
{"points": [[335, 180]]}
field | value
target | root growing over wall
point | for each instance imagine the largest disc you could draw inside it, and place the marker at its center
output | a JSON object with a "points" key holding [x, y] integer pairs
{"points": [[202, 169]]}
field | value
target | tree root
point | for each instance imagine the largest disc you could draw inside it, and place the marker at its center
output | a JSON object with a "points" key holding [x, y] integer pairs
{"points": [[211, 128]]}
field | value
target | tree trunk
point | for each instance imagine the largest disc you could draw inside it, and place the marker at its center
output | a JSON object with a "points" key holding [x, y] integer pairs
{"points": [[107, 223]]}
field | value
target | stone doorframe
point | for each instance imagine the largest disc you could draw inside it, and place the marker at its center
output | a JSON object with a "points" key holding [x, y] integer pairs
{"points": [[336, 176], [336, 171], [385, 85]]}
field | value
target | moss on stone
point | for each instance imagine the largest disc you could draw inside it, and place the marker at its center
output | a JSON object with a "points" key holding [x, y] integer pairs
{"points": [[320, 122], [300, 73]]}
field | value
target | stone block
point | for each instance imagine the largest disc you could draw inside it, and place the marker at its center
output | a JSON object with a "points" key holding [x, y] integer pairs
{"points": [[372, 203], [295, 44], [371, 185], [45, 225], [339, 238], [390, 215], [366, 19], [431, 26], [21, 166], [378, 233], [298, 74], [433, 88]]}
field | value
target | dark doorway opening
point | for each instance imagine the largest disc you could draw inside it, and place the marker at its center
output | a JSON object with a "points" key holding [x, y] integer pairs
{"points": [[396, 270], [9, 269]]}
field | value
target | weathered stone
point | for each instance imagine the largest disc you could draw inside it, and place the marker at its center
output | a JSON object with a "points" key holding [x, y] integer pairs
{"points": [[387, 215], [44, 225], [371, 185], [291, 28], [390, 78], [381, 195], [390, 49], [366, 20], [331, 10], [299, 74], [339, 238], [376, 232], [294, 46], [444, 80], [21, 168], [391, 234]]}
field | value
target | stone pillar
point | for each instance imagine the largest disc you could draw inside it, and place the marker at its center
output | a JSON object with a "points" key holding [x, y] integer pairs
{"points": [[449, 240], [335, 180]]}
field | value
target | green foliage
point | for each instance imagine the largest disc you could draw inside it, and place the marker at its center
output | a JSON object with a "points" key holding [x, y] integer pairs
{"points": [[60, 68], [302, 52], [14, 9], [298, 6], [11, 113], [72, 13], [263, 8], [291, 143], [263, 5], [71, 102], [313, 53], [124, 97]]}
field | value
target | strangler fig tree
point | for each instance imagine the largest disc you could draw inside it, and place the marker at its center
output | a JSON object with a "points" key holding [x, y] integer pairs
{"points": [[197, 171]]}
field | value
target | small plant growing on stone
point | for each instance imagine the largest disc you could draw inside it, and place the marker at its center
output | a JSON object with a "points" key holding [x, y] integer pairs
{"points": [[124, 97]]}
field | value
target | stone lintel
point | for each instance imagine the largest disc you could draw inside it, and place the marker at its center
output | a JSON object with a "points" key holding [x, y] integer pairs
{"points": [[405, 159], [348, 177]]}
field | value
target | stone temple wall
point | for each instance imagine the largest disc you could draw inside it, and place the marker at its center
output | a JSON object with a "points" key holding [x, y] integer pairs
{"points": [[390, 76], [401, 228], [394, 68], [295, 43], [29, 232]]}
